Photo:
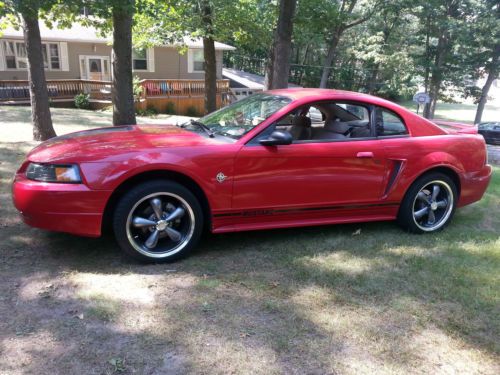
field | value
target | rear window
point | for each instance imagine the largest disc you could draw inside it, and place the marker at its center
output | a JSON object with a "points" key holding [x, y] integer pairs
{"points": [[388, 123]]}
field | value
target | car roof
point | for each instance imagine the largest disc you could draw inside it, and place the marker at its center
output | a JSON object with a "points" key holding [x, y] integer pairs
{"points": [[328, 94]]}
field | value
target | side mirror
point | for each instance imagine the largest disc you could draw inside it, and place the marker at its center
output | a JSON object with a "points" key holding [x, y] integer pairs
{"points": [[277, 137]]}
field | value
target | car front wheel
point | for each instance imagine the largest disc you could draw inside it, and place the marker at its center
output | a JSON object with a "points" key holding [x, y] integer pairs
{"points": [[158, 221], [429, 204]]}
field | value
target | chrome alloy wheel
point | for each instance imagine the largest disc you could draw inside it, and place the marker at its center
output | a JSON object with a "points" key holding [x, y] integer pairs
{"points": [[160, 225], [433, 205]]}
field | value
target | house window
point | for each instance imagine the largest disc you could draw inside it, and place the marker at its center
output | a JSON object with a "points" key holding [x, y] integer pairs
{"points": [[196, 61], [139, 59], [54, 56], [16, 56]]}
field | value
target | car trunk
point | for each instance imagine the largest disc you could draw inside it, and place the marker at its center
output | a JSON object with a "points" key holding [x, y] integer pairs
{"points": [[456, 127]]}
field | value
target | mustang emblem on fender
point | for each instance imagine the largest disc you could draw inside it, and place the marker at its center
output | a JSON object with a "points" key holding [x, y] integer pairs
{"points": [[220, 177]]}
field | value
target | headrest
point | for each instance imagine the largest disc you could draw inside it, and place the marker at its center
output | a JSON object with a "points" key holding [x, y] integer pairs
{"points": [[302, 121], [337, 127]]}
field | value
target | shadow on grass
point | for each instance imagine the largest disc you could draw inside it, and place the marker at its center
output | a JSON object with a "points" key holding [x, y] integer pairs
{"points": [[444, 283]]}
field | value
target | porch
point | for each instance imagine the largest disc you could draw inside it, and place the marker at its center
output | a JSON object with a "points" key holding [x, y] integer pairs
{"points": [[179, 96]]}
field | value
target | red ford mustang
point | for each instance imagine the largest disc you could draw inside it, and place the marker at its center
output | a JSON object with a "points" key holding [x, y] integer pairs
{"points": [[277, 159]]}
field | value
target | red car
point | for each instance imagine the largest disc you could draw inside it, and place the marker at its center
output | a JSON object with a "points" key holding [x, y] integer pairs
{"points": [[277, 159]]}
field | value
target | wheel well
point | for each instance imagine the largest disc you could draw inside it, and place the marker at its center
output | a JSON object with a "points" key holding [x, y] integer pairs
{"points": [[446, 171], [148, 176]]}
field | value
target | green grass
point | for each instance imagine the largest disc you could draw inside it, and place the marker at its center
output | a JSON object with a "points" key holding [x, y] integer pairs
{"points": [[305, 300], [459, 112]]}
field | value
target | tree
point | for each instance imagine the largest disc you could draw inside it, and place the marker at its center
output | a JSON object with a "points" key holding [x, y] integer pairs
{"points": [[123, 96], [445, 20], [206, 11], [493, 70], [172, 21], [490, 31], [279, 56], [29, 13], [344, 20], [116, 17]]}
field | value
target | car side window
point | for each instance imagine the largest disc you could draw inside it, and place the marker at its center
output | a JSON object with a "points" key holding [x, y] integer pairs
{"points": [[388, 123]]}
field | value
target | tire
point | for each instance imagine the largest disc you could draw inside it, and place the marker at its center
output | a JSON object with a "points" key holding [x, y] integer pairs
{"points": [[425, 208], [158, 221]]}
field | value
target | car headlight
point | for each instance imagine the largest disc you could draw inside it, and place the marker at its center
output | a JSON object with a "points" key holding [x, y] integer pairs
{"points": [[68, 173]]}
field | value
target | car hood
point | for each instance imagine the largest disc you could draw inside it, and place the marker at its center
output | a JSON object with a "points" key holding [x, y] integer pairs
{"points": [[109, 143]]}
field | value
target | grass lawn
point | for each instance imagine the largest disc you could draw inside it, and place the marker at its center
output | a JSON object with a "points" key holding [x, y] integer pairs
{"points": [[323, 300], [460, 112]]}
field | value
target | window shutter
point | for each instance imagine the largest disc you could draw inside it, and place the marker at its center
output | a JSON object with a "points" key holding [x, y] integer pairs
{"points": [[83, 67], [151, 59], [190, 61], [2, 57], [64, 56]]}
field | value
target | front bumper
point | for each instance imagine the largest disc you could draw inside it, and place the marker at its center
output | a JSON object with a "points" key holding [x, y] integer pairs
{"points": [[473, 185], [70, 208]]}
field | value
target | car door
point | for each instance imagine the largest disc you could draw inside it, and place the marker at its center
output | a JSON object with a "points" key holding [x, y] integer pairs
{"points": [[309, 176]]}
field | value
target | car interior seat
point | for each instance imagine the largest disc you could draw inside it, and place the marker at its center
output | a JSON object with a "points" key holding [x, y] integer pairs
{"points": [[301, 128]]}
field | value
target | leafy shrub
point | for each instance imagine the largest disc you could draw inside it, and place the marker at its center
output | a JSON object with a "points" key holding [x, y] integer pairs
{"points": [[136, 87], [148, 112], [82, 101], [192, 111], [170, 108]]}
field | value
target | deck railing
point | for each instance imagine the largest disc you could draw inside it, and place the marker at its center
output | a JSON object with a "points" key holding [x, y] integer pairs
{"points": [[66, 89], [179, 87], [11, 90]]}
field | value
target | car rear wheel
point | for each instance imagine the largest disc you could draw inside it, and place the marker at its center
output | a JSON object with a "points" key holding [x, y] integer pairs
{"points": [[158, 221], [429, 204]]}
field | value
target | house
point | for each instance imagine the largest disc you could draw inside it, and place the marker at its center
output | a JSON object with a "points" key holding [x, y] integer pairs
{"points": [[243, 83], [81, 53]]}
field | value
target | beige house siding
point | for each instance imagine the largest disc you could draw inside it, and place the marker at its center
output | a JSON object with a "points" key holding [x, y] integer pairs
{"points": [[169, 63]]}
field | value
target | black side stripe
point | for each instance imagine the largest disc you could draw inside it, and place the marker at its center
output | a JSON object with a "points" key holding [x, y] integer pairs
{"points": [[266, 212]]}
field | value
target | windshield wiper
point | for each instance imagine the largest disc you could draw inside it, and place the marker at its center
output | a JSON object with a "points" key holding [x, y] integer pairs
{"points": [[201, 125]]}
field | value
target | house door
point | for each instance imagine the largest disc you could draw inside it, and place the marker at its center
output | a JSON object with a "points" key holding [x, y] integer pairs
{"points": [[95, 68]]}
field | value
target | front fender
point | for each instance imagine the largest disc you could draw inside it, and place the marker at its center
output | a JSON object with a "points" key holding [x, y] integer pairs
{"points": [[201, 169]]}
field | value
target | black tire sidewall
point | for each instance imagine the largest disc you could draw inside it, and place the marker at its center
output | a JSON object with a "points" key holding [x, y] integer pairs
{"points": [[128, 200], [405, 214]]}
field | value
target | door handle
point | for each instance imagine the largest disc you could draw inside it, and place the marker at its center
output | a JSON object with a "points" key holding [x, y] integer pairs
{"points": [[364, 154]]}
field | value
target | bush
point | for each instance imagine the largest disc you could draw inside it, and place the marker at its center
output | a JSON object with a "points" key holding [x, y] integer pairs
{"points": [[170, 108], [148, 112], [136, 88], [191, 111], [82, 101]]}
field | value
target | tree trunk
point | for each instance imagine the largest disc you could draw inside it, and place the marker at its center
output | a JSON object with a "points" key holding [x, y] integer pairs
{"points": [[330, 58], [210, 75], [372, 85], [304, 59], [40, 111], [209, 57], [268, 76], [123, 97], [427, 65], [283, 44], [437, 75], [492, 75]]}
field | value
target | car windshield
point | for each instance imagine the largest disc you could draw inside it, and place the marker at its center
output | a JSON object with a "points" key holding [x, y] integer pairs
{"points": [[242, 116]]}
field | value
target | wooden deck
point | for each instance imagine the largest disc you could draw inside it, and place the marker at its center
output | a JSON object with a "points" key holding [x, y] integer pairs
{"points": [[180, 96]]}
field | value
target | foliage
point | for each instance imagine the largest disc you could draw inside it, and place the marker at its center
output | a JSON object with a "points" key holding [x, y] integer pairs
{"points": [[148, 112], [137, 87], [192, 111], [82, 101], [170, 108]]}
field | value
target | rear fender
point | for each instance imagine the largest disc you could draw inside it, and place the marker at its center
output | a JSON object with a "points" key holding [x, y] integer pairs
{"points": [[431, 161]]}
